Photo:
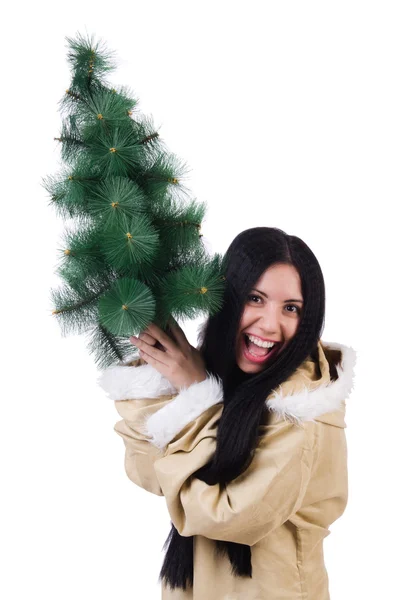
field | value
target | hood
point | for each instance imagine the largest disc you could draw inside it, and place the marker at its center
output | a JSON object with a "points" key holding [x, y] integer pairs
{"points": [[303, 397]]}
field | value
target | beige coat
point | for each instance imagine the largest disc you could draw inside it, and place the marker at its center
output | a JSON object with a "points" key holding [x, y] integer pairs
{"points": [[282, 505]]}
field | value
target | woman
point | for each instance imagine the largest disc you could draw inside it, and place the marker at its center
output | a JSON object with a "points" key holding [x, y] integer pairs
{"points": [[244, 437]]}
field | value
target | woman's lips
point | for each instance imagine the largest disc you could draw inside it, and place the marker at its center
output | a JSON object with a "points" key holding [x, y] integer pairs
{"points": [[257, 359]]}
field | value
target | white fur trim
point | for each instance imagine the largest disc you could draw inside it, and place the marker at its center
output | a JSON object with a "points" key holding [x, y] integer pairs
{"points": [[144, 381], [129, 382], [162, 426], [309, 404]]}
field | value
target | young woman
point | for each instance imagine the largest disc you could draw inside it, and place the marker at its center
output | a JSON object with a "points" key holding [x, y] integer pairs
{"points": [[244, 436]]}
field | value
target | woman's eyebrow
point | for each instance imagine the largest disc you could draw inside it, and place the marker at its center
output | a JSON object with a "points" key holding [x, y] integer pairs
{"points": [[266, 296]]}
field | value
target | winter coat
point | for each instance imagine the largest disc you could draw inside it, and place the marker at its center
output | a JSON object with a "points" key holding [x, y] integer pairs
{"points": [[282, 506]]}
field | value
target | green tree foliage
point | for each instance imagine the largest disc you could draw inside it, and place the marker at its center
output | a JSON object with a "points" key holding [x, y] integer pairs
{"points": [[132, 251]]}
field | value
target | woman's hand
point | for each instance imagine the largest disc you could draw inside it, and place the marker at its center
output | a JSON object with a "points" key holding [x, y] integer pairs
{"points": [[180, 362]]}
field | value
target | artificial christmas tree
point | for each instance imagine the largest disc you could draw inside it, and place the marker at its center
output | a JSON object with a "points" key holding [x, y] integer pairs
{"points": [[132, 249]]}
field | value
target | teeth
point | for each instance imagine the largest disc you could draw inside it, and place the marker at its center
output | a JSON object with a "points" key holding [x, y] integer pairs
{"points": [[259, 342]]}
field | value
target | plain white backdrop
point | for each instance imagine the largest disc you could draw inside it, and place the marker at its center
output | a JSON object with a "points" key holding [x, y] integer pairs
{"points": [[286, 114]]}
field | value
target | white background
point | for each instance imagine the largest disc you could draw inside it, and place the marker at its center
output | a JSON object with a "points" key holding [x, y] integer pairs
{"points": [[286, 115]]}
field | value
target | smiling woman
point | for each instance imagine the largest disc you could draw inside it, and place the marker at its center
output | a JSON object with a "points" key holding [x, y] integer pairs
{"points": [[251, 458], [269, 320]]}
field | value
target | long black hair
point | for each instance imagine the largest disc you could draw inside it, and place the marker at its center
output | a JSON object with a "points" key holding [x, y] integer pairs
{"points": [[251, 253]]}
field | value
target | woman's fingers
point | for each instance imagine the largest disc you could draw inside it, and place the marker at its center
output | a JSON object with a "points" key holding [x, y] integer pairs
{"points": [[157, 344], [151, 352], [162, 337], [151, 340], [179, 335], [147, 338], [177, 360]]}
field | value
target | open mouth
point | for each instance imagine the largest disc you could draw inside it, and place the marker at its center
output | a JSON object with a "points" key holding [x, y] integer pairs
{"points": [[256, 354]]}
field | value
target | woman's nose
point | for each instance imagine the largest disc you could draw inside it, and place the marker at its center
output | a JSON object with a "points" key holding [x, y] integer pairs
{"points": [[269, 321]]}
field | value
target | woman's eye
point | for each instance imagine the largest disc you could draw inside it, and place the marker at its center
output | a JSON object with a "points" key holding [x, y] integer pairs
{"points": [[298, 310], [253, 296]]}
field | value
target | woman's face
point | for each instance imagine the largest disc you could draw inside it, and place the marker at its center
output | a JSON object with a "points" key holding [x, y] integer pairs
{"points": [[272, 312]]}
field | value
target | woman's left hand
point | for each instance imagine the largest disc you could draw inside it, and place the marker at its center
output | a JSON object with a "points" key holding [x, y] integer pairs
{"points": [[181, 363]]}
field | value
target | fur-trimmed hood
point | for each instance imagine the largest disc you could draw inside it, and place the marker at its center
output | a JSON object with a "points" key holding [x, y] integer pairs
{"points": [[323, 399]]}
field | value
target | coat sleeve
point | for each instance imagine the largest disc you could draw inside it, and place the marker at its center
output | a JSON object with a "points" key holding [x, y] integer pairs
{"points": [[251, 506], [140, 394]]}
